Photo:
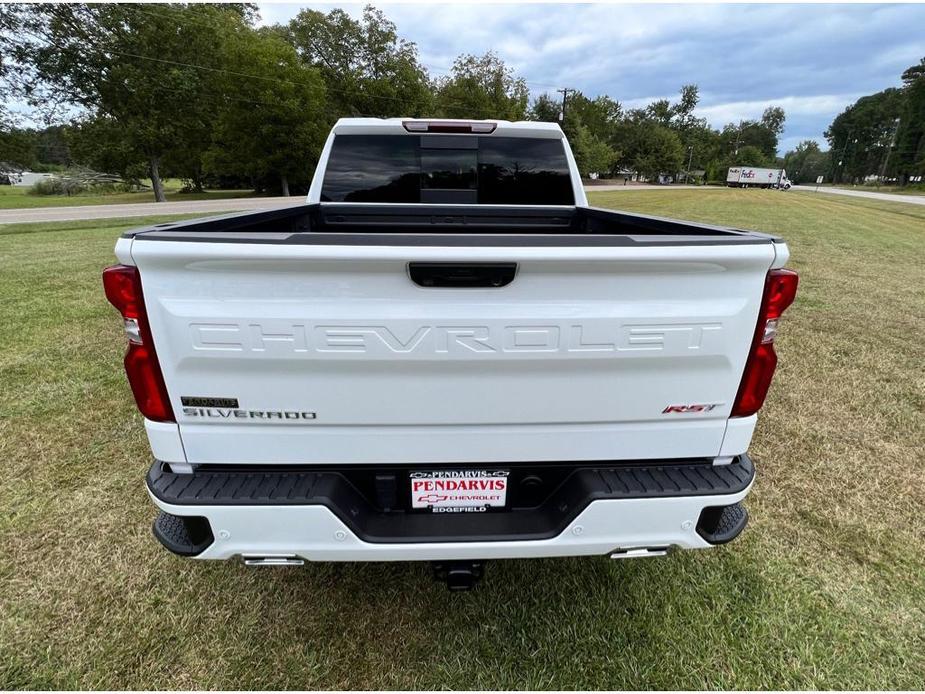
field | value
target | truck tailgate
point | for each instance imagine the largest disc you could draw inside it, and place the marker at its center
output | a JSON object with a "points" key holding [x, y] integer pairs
{"points": [[301, 353]]}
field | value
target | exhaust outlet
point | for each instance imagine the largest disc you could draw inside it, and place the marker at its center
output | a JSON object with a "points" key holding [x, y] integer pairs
{"points": [[280, 560], [639, 552]]}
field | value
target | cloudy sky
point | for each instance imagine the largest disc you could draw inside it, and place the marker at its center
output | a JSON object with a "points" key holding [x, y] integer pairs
{"points": [[813, 60]]}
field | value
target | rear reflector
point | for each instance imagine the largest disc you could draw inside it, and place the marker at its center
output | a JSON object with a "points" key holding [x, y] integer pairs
{"points": [[422, 126], [780, 290], [122, 285]]}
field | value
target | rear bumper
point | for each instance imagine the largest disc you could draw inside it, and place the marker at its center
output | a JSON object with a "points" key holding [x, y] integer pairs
{"points": [[323, 516]]}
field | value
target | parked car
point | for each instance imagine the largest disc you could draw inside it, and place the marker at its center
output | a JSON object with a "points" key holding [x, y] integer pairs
{"points": [[446, 355]]}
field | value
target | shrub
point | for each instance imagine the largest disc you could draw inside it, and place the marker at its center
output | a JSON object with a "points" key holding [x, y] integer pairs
{"points": [[57, 186]]}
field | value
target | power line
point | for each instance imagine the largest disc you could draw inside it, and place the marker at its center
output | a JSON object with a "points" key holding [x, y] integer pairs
{"points": [[126, 54], [223, 95], [147, 9], [449, 104], [166, 61], [199, 22]]}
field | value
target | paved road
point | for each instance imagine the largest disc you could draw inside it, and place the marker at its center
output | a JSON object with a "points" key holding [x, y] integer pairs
{"points": [[891, 197], [143, 209], [206, 207], [646, 186]]}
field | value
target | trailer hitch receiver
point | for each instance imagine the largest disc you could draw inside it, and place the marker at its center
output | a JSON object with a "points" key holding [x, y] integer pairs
{"points": [[459, 575]]}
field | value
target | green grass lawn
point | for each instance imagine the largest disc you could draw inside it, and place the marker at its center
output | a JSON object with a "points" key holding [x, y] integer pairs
{"points": [[825, 589], [14, 197]]}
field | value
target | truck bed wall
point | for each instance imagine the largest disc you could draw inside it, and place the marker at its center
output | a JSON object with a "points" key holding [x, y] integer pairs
{"points": [[307, 221]]}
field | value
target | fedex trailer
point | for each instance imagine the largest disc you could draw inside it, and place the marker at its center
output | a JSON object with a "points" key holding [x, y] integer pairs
{"points": [[753, 177]]}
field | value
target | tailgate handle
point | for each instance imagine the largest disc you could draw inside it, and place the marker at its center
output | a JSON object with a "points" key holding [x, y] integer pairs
{"points": [[462, 275]]}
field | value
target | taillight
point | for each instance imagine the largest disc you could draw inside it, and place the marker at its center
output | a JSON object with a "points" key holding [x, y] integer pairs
{"points": [[122, 284], [449, 126], [780, 289]]}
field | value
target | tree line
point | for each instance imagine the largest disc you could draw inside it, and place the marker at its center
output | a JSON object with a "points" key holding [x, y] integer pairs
{"points": [[203, 93], [882, 135]]}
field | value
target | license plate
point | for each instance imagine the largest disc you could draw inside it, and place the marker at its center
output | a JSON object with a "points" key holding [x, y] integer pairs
{"points": [[447, 491]]}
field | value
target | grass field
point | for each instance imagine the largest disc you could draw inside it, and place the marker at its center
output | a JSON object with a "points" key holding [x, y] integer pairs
{"points": [[825, 589], [14, 197]]}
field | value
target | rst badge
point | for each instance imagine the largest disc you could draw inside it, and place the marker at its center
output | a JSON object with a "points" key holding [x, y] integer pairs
{"points": [[459, 491], [692, 409]]}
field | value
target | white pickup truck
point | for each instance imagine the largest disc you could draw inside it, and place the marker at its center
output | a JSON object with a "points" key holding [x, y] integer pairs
{"points": [[445, 354]]}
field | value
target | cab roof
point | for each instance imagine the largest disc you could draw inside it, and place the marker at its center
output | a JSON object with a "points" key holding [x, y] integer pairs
{"points": [[418, 126]]}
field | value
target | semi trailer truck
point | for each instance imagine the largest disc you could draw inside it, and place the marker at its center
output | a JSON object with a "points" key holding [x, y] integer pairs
{"points": [[753, 177]]}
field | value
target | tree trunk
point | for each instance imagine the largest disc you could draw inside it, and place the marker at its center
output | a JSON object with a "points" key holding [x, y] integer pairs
{"points": [[156, 182], [284, 184]]}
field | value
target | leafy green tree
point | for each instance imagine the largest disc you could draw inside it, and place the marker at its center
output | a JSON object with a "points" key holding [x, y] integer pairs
{"points": [[481, 87], [677, 116], [703, 149], [772, 120], [51, 147], [762, 135], [750, 155], [273, 128], [659, 112], [806, 162], [910, 142], [590, 125], [592, 154], [368, 69], [11, 25], [650, 148], [102, 144], [148, 70], [17, 147], [699, 141], [545, 109], [682, 115], [17, 150], [600, 115], [860, 136], [34, 149]]}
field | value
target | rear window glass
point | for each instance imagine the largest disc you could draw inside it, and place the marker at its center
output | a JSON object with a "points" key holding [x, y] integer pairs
{"points": [[427, 168], [449, 169]]}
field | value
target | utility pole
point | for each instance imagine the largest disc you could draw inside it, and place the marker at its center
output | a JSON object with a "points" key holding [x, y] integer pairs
{"points": [[841, 160], [886, 159], [690, 158], [564, 92], [837, 163]]}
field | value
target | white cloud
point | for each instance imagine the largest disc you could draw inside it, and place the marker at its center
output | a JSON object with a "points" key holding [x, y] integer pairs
{"points": [[812, 60], [789, 143], [822, 104]]}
